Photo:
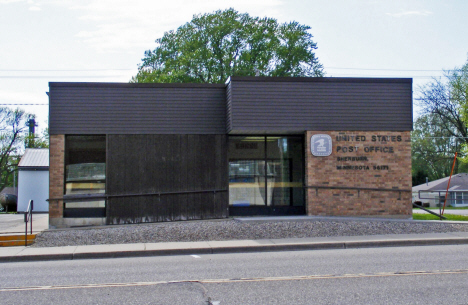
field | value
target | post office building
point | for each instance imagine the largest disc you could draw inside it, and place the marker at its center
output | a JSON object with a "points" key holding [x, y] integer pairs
{"points": [[132, 153]]}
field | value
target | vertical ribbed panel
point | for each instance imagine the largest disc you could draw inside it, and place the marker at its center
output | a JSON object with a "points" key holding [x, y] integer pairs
{"points": [[153, 164]]}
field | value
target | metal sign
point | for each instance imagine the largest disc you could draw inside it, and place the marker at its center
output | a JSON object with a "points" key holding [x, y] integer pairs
{"points": [[321, 145]]}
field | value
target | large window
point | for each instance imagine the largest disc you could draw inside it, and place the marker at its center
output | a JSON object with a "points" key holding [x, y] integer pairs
{"points": [[85, 176], [266, 171]]}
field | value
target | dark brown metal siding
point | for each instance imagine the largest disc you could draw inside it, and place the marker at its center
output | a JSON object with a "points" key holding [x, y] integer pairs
{"points": [[153, 164], [88, 108], [266, 105], [228, 107]]}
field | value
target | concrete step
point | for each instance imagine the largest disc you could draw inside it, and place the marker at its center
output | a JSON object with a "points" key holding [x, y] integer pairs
{"points": [[16, 240], [15, 243], [16, 237]]}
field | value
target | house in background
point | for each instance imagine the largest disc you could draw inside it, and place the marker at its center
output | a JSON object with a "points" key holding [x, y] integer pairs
{"points": [[33, 180], [433, 193]]}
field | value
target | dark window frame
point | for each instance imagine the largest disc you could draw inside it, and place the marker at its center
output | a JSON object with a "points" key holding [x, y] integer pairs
{"points": [[271, 210], [83, 212]]}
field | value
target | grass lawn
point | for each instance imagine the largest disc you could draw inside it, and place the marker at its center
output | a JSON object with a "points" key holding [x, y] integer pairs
{"points": [[449, 208], [432, 217]]}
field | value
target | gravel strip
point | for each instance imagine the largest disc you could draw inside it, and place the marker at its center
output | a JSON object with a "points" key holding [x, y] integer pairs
{"points": [[230, 229]]}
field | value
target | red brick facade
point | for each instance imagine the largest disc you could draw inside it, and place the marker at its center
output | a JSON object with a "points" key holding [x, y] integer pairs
{"points": [[56, 175], [367, 174]]}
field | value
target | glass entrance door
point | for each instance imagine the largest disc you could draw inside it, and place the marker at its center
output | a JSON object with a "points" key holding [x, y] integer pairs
{"points": [[266, 175]]}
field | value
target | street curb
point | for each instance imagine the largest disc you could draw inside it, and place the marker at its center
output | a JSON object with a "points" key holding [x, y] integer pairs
{"points": [[406, 243], [240, 249], [33, 258]]}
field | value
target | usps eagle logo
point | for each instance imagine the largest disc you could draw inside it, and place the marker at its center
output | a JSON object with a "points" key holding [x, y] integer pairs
{"points": [[321, 145]]}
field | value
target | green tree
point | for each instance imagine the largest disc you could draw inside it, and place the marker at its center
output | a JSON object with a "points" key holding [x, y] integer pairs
{"points": [[212, 47], [433, 150], [441, 130], [444, 100], [12, 127], [458, 83]]}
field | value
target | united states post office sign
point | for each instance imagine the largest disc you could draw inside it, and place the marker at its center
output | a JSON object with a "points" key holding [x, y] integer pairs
{"points": [[321, 145]]}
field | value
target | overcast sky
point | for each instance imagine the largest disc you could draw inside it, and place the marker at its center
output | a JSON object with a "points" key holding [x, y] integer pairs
{"points": [[46, 41]]}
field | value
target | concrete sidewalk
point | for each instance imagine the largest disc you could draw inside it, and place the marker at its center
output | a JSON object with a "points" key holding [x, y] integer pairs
{"points": [[14, 223], [15, 254]]}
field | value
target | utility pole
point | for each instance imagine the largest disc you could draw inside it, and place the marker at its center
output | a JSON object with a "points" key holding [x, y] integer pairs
{"points": [[31, 123]]}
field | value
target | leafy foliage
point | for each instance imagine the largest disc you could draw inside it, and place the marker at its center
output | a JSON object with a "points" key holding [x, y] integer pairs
{"points": [[34, 141], [212, 47], [441, 130], [433, 149], [441, 99], [12, 126]]}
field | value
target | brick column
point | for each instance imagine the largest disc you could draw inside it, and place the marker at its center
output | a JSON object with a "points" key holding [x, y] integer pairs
{"points": [[56, 177]]}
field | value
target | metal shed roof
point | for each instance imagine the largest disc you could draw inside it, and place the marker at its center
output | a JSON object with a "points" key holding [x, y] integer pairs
{"points": [[35, 157]]}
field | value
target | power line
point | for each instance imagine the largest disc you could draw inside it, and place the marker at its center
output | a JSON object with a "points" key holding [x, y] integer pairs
{"points": [[122, 75], [61, 76], [110, 76], [126, 69], [61, 70], [385, 76], [453, 137], [24, 104], [396, 70]]}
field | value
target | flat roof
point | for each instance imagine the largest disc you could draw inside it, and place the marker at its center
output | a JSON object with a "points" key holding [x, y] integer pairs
{"points": [[136, 85], [319, 79], [236, 78]]}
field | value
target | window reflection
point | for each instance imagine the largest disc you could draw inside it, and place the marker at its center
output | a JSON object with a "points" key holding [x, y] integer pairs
{"points": [[246, 171], [85, 160], [265, 171]]}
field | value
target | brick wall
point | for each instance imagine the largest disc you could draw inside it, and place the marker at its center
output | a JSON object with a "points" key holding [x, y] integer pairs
{"points": [[367, 174], [56, 176]]}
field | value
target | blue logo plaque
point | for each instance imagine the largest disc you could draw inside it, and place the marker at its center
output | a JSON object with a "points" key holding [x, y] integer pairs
{"points": [[321, 145]]}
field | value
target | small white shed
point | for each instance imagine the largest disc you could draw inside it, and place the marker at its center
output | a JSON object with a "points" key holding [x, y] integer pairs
{"points": [[33, 179]]}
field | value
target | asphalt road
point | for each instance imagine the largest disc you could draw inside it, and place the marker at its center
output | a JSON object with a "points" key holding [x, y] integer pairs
{"points": [[413, 275]]}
